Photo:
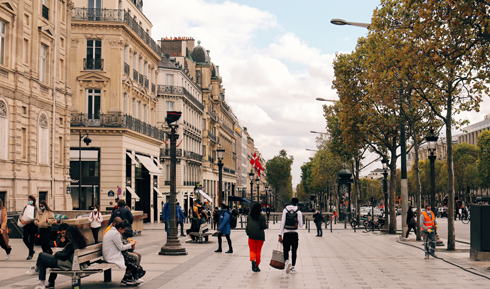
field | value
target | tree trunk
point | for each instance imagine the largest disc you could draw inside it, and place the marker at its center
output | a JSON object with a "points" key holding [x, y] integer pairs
{"points": [[358, 187], [392, 228], [451, 238], [417, 180]]}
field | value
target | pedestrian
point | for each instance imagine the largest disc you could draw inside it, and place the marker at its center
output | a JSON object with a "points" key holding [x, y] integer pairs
{"points": [[428, 225], [44, 220], [215, 217], [61, 239], [95, 220], [166, 217], [224, 228], [411, 222], [4, 237], [116, 205], [122, 212], [30, 229], [180, 220], [196, 222], [256, 225], [292, 219], [268, 211], [318, 219], [62, 259]]}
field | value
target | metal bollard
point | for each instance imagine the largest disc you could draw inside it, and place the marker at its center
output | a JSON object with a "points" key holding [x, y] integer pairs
{"points": [[309, 226], [331, 226], [241, 221]]}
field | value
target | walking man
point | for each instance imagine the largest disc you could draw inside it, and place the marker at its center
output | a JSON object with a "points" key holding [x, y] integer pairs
{"points": [[180, 220], [428, 225], [318, 218], [292, 219]]}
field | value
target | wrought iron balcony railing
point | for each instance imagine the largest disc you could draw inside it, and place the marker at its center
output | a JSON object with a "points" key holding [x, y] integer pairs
{"points": [[165, 152], [45, 12], [115, 15], [179, 90], [153, 88], [211, 136], [93, 64], [147, 83], [118, 121], [126, 68], [212, 115], [135, 75], [193, 155], [141, 80], [227, 170]]}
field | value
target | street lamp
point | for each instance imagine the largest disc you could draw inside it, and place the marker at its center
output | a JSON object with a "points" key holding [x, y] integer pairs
{"points": [[266, 186], [221, 153], [270, 196], [324, 99], [343, 22], [257, 181], [432, 146], [311, 150], [87, 140], [251, 177], [173, 246], [384, 161]]}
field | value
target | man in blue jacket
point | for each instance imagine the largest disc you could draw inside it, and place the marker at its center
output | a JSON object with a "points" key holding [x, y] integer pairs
{"points": [[180, 219], [224, 228], [122, 212], [166, 218]]}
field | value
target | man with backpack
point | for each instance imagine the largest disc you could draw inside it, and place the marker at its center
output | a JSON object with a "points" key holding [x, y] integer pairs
{"points": [[292, 219], [224, 228]]}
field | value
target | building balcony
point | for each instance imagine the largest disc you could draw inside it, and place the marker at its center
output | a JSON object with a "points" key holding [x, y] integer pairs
{"points": [[135, 75], [165, 153], [229, 171], [45, 12], [116, 120], [93, 64], [212, 115], [227, 128], [126, 69], [114, 15], [193, 156], [147, 83], [153, 88], [141, 79], [211, 136], [179, 90]]}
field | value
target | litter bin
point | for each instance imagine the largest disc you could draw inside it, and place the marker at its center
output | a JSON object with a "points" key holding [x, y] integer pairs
{"points": [[17, 232], [480, 233]]}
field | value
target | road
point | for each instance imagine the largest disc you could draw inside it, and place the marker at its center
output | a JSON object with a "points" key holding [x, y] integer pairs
{"points": [[462, 230]]}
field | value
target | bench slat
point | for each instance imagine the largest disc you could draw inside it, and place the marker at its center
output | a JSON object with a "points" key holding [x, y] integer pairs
{"points": [[88, 257]]}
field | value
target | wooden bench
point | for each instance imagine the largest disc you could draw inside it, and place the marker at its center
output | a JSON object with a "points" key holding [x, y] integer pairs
{"points": [[93, 256], [201, 234]]}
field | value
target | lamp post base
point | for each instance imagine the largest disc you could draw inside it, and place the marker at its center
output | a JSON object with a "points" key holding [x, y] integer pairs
{"points": [[172, 247], [439, 242]]}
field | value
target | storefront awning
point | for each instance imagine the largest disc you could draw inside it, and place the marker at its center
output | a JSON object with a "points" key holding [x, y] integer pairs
{"points": [[158, 164], [133, 194], [149, 165], [87, 155], [133, 160], [160, 195]]}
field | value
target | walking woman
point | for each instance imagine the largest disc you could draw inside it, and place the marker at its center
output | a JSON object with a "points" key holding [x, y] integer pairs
{"points": [[4, 237], [30, 229], [318, 218], [95, 220], [44, 220], [411, 222], [224, 228], [256, 225], [63, 259]]}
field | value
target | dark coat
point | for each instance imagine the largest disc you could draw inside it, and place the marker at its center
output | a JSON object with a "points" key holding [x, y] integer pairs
{"points": [[410, 215], [255, 228], [123, 213]]}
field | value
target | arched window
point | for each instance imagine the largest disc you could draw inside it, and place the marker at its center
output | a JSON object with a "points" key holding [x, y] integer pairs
{"points": [[43, 139], [4, 131]]}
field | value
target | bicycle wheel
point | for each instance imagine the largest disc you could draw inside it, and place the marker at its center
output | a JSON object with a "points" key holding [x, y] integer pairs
{"points": [[353, 223], [465, 220], [368, 226]]}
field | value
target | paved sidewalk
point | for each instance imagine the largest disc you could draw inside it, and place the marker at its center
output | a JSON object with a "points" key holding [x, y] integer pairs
{"points": [[341, 259]]}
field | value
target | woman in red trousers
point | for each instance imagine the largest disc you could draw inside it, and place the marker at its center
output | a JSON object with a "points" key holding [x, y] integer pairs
{"points": [[256, 225]]}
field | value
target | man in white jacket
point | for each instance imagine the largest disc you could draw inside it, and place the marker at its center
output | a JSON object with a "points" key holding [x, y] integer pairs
{"points": [[292, 219]]}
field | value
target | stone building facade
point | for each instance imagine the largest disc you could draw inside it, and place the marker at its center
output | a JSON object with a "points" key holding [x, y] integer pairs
{"points": [[35, 102]]}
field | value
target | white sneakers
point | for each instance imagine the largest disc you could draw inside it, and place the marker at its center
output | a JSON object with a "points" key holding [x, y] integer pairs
{"points": [[8, 257], [40, 287], [288, 267], [293, 271], [32, 271]]}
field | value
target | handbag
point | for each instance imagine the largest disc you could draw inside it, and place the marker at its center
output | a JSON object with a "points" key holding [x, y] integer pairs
{"points": [[277, 260], [412, 222]]}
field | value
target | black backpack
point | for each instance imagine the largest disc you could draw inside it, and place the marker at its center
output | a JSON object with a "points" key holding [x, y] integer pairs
{"points": [[291, 220], [233, 220]]}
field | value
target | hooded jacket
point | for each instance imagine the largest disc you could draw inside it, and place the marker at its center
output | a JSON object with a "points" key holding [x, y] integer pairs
{"points": [[283, 220]]}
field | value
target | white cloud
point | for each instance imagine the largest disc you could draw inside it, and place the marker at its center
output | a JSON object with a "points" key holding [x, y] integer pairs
{"points": [[276, 104]]}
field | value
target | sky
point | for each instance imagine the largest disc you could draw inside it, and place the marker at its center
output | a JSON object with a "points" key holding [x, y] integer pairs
{"points": [[275, 58]]}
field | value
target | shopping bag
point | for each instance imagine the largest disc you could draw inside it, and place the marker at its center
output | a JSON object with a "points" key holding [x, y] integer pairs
{"points": [[277, 260], [19, 223], [28, 214]]}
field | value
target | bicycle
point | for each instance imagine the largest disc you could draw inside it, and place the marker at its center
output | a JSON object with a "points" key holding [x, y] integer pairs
{"points": [[466, 219], [369, 226], [427, 247]]}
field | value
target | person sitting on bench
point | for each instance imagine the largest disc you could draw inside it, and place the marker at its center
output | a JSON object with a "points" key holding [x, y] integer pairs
{"points": [[61, 259], [195, 225]]}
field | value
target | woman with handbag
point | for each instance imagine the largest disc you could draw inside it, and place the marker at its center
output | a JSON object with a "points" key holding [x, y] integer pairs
{"points": [[30, 229], [44, 220], [4, 237], [256, 225], [411, 222], [95, 220]]}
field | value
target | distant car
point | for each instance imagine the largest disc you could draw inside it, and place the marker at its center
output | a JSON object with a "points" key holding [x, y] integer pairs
{"points": [[442, 212], [398, 211]]}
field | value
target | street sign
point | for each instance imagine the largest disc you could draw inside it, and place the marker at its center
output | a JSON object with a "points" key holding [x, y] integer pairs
{"points": [[110, 193], [119, 191]]}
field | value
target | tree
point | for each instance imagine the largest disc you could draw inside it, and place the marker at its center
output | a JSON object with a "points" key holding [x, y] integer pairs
{"points": [[484, 158], [279, 177], [465, 167]]}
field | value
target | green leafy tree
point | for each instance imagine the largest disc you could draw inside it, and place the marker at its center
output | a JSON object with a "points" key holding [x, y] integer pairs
{"points": [[466, 167], [484, 158], [279, 177]]}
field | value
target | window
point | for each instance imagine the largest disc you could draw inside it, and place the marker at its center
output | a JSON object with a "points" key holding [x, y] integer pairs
{"points": [[43, 139], [43, 62], [169, 105], [94, 10], [4, 131], [45, 9], [62, 42], [94, 54], [26, 51], [145, 112], [61, 72], [170, 79], [139, 110], [93, 103], [2, 42], [61, 149], [152, 116], [23, 143], [125, 103], [168, 172]]}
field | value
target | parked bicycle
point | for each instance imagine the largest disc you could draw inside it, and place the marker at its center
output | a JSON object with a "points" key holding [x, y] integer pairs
{"points": [[370, 226], [465, 218]]}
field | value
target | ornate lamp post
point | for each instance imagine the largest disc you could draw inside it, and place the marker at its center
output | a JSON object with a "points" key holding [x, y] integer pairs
{"points": [[87, 140], [266, 186], [384, 161], [251, 177], [432, 141], [344, 184], [257, 181], [173, 246], [221, 153]]}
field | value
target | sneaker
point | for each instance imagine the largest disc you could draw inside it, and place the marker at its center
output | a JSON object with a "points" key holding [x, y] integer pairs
{"points": [[29, 257], [218, 251], [8, 257], [293, 271], [288, 267], [253, 266], [132, 282], [40, 287], [33, 271], [426, 256], [123, 281], [140, 281], [434, 255], [229, 251], [257, 269], [50, 285]]}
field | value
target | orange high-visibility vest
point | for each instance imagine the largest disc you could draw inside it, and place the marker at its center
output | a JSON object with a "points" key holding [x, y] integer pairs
{"points": [[429, 222]]}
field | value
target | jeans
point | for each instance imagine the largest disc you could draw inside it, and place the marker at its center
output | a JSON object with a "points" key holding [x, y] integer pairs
{"points": [[255, 250], [227, 240], [95, 233], [44, 261], [432, 241], [290, 242], [409, 228], [30, 231], [319, 231], [4, 245], [44, 234], [181, 224]]}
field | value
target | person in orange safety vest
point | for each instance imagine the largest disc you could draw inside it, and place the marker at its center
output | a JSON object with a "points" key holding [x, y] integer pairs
{"points": [[428, 225]]}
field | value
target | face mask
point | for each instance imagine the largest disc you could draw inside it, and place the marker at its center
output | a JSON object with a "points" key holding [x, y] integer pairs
{"points": [[219, 209], [30, 202], [42, 208], [428, 211], [95, 210]]}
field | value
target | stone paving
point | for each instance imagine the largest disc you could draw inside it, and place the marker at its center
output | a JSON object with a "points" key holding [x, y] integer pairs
{"points": [[341, 259]]}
